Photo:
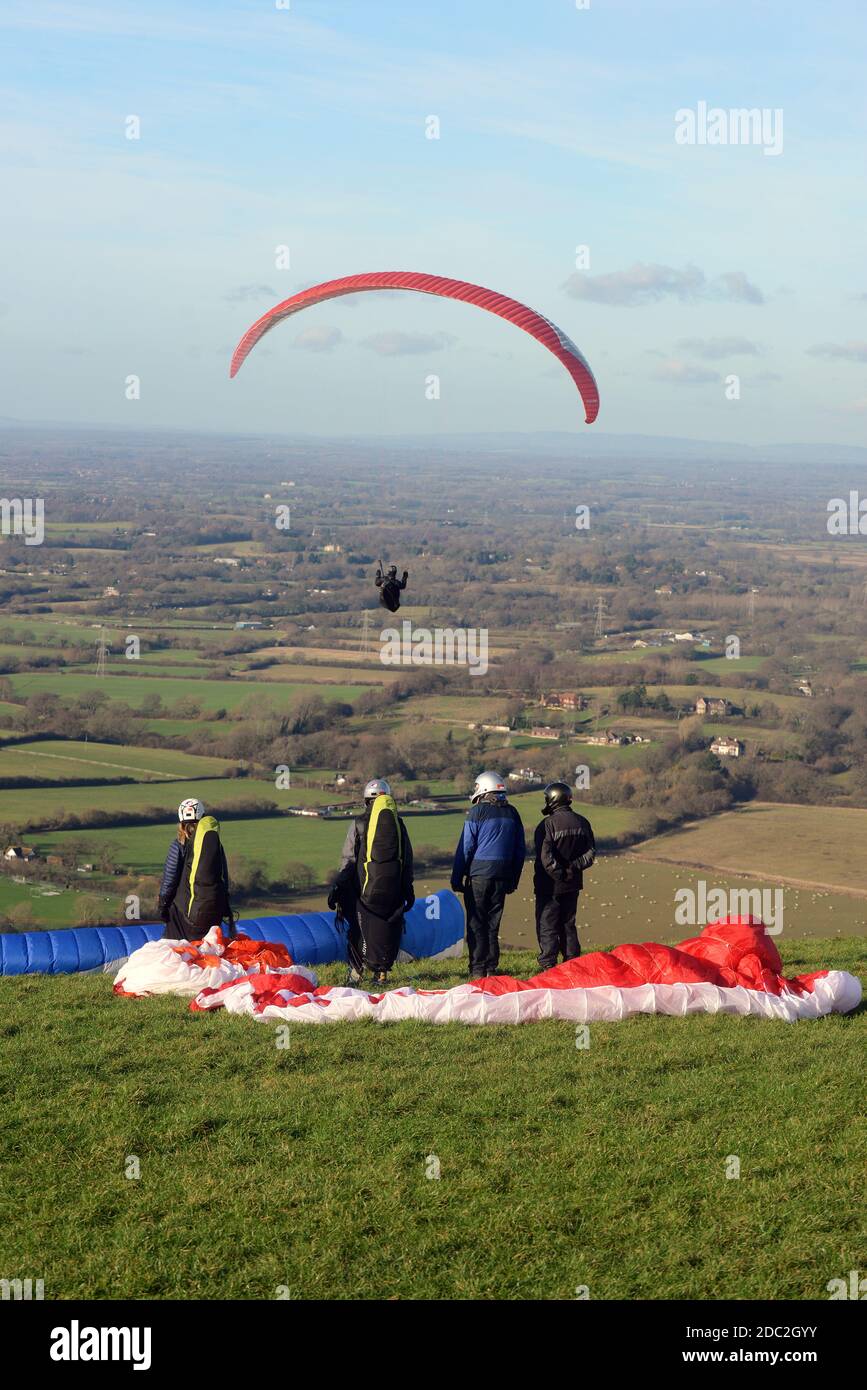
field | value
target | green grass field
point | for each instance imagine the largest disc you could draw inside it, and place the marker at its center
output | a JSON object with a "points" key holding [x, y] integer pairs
{"points": [[68, 761], [209, 694], [276, 841], [47, 906], [304, 1168], [38, 805], [727, 666]]}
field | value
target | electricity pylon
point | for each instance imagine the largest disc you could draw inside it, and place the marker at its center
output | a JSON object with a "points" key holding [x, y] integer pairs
{"points": [[599, 627], [101, 653]]}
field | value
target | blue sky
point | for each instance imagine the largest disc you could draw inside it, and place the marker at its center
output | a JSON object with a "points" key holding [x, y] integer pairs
{"points": [[305, 127]]}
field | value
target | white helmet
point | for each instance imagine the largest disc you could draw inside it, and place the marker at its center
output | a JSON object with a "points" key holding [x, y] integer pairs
{"points": [[487, 782], [190, 809], [377, 786]]}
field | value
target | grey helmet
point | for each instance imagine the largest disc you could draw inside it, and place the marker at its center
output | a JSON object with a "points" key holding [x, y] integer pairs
{"points": [[377, 786], [487, 782]]}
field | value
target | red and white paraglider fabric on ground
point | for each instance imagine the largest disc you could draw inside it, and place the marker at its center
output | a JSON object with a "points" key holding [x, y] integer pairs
{"points": [[733, 967], [186, 967]]}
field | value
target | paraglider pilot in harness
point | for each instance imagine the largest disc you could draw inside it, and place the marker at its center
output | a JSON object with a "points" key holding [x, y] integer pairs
{"points": [[565, 847], [390, 587], [194, 892], [374, 887]]}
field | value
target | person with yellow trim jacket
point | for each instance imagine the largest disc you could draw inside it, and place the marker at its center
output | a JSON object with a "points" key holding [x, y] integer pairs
{"points": [[374, 886], [194, 894], [565, 847]]}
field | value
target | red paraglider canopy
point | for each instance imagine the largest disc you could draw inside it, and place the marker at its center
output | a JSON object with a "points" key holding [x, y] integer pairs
{"points": [[540, 328]]}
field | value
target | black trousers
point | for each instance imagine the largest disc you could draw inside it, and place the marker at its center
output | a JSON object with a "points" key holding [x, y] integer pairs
{"points": [[484, 900], [378, 937], [354, 946], [556, 931], [180, 927]]}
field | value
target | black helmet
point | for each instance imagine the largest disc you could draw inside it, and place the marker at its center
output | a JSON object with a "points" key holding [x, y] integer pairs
{"points": [[557, 794], [392, 569]]}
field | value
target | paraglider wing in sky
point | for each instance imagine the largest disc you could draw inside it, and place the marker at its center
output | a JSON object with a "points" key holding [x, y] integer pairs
{"points": [[545, 332]]}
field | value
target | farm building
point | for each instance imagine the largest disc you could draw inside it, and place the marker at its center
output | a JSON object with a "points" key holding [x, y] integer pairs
{"points": [[23, 853]]}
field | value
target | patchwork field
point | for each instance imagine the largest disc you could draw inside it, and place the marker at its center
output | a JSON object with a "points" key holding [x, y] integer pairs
{"points": [[805, 844]]}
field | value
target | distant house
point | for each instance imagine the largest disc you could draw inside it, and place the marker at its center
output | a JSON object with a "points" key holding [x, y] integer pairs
{"points": [[726, 747], [111, 591], [226, 560], [524, 774], [664, 589], [609, 738], [21, 853], [703, 705], [253, 625], [805, 688], [544, 731], [564, 699], [686, 637]]}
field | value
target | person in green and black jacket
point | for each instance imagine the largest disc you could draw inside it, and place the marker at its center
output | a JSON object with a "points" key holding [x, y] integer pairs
{"points": [[374, 887], [200, 893]]}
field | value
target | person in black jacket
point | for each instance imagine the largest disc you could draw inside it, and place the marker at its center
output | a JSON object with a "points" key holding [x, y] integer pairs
{"points": [[390, 587], [374, 886], [194, 893], [565, 847]]}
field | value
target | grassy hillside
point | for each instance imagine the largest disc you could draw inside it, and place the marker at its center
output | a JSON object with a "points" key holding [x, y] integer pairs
{"points": [[305, 1167], [815, 845]]}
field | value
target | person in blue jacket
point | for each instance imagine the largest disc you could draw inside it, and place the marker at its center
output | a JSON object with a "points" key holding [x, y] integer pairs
{"points": [[488, 863]]}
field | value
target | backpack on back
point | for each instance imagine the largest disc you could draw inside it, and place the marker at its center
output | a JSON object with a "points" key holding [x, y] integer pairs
{"points": [[380, 870]]}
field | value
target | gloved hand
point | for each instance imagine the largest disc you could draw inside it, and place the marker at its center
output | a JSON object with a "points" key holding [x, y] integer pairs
{"points": [[410, 901], [333, 898], [164, 913]]}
